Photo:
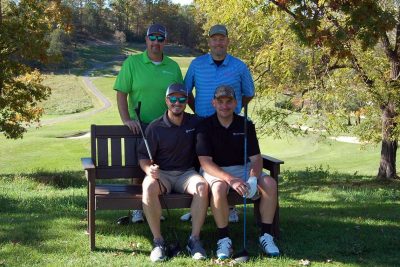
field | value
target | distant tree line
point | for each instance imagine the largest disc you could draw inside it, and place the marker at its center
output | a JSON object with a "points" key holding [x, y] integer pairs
{"points": [[102, 19]]}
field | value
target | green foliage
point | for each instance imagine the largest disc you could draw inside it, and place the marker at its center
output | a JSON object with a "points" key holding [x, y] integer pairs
{"points": [[23, 28], [58, 41]]}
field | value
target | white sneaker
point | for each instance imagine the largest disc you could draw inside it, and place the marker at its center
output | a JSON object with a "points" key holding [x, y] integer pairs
{"points": [[186, 217], [233, 215], [138, 216], [268, 245], [224, 248]]}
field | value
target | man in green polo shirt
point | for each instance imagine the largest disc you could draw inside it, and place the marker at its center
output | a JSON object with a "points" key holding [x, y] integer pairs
{"points": [[143, 78]]}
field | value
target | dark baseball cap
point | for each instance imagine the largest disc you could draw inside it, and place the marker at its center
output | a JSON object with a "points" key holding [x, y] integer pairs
{"points": [[176, 88], [157, 28], [218, 29], [224, 91]]}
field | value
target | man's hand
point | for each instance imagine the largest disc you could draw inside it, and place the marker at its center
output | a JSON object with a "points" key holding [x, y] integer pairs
{"points": [[239, 186], [154, 171], [133, 126]]}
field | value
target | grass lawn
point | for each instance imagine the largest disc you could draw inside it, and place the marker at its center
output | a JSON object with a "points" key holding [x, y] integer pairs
{"points": [[333, 211]]}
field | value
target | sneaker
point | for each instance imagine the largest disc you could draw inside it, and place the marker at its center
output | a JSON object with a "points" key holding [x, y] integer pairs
{"points": [[224, 248], [233, 215], [186, 217], [195, 248], [137, 216], [159, 252], [268, 245]]}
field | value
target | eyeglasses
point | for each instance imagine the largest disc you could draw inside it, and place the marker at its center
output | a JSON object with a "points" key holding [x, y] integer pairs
{"points": [[159, 38], [181, 99]]}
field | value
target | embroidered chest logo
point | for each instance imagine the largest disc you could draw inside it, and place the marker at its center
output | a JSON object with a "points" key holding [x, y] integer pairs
{"points": [[237, 134], [190, 130]]}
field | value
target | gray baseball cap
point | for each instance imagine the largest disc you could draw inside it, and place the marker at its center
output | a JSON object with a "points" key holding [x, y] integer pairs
{"points": [[157, 28], [224, 91], [218, 29], [176, 88]]}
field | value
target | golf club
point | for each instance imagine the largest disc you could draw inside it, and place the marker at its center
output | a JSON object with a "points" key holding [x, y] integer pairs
{"points": [[243, 256], [175, 248]]}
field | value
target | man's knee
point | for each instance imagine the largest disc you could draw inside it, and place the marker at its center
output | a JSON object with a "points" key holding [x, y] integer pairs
{"points": [[150, 186], [199, 186], [219, 188], [269, 184]]}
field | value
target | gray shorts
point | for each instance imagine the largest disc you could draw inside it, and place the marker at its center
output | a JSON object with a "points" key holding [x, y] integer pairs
{"points": [[236, 170], [177, 181]]}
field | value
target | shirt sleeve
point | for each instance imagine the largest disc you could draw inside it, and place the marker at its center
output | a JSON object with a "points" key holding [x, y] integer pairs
{"points": [[203, 142], [253, 146], [189, 78], [124, 80], [247, 82]]}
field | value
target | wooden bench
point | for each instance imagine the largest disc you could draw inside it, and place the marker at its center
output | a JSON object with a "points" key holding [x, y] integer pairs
{"points": [[113, 156]]}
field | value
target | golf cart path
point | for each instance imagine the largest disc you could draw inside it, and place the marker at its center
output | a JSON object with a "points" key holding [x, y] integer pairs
{"points": [[86, 77]]}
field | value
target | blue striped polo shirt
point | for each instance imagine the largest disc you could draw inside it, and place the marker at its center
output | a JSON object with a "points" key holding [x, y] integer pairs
{"points": [[206, 76]]}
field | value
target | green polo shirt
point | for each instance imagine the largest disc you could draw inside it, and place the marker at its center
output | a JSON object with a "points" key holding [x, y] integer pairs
{"points": [[147, 82]]}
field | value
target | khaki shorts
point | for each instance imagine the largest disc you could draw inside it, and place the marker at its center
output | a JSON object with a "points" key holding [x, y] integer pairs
{"points": [[177, 181], [236, 170]]}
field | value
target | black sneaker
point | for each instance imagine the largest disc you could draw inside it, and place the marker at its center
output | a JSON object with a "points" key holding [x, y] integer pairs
{"points": [[196, 249], [159, 252]]}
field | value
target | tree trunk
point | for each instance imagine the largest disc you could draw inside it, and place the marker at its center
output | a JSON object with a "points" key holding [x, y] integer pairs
{"points": [[387, 166]]}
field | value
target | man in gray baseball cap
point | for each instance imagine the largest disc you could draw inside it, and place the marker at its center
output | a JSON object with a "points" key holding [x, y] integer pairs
{"points": [[157, 29], [218, 29]]}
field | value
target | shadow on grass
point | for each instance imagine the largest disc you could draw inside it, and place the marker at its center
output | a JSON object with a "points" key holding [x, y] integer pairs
{"points": [[339, 217], [325, 217], [59, 180]]}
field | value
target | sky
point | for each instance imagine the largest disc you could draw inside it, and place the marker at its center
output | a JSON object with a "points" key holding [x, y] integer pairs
{"points": [[182, 2]]}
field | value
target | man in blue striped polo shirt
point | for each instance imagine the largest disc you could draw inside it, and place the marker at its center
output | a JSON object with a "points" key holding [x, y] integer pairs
{"points": [[211, 70], [216, 68]]}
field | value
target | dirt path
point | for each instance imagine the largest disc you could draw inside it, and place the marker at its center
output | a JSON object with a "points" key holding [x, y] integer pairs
{"points": [[87, 79]]}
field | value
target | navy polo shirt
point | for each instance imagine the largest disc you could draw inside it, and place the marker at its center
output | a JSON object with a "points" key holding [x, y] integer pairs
{"points": [[172, 147], [226, 145]]}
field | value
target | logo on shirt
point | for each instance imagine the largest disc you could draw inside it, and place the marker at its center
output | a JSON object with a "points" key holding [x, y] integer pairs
{"points": [[238, 133], [167, 72], [190, 130]]}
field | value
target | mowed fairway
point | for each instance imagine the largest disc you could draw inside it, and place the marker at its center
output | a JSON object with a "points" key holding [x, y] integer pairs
{"points": [[333, 213]]}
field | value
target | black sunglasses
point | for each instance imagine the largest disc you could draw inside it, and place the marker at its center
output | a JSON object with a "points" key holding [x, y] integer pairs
{"points": [[159, 38], [181, 99]]}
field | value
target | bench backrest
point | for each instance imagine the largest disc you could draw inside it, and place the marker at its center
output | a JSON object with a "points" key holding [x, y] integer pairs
{"points": [[114, 152]]}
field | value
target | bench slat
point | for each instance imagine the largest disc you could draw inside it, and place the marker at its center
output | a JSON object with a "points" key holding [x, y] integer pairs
{"points": [[119, 172], [116, 156], [130, 151], [102, 151]]}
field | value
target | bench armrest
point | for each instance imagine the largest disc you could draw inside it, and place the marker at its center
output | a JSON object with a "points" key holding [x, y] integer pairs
{"points": [[273, 165], [87, 163]]}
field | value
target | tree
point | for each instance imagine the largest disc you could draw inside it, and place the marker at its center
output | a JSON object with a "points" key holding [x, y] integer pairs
{"points": [[341, 26], [24, 26], [327, 52]]}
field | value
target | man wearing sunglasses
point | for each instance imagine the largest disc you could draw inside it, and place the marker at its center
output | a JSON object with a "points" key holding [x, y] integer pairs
{"points": [[209, 71], [143, 78], [171, 142]]}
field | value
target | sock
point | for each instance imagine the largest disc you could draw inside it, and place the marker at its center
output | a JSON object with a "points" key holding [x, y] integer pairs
{"points": [[266, 228], [223, 232]]}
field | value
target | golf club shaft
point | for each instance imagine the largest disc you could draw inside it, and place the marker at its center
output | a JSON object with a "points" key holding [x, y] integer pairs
{"points": [[245, 174]]}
